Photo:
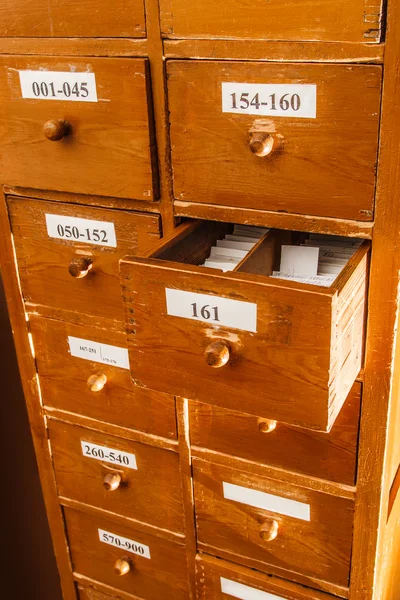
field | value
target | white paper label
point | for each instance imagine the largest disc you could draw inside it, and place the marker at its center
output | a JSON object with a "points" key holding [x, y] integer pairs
{"points": [[110, 455], [99, 233], [244, 592], [58, 85], [276, 504], [101, 353], [272, 99], [212, 309], [124, 543]]}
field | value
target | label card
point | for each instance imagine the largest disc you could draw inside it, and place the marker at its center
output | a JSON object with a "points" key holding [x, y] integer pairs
{"points": [[99, 233], [212, 309], [101, 353], [299, 260], [110, 455], [276, 504], [244, 592], [58, 85], [272, 99], [124, 544]]}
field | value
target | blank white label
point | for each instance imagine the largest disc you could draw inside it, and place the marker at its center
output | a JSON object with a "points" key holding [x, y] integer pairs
{"points": [[58, 85], [101, 353], [75, 229], [110, 455], [272, 99], [244, 592], [276, 504], [212, 309], [124, 543]]}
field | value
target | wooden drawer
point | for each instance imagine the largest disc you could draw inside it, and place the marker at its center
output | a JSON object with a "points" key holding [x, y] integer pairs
{"points": [[158, 571], [321, 166], [329, 456], [218, 579], [108, 148], [261, 522], [111, 396], [87, 591], [55, 18], [278, 20], [54, 272], [294, 349], [134, 480]]}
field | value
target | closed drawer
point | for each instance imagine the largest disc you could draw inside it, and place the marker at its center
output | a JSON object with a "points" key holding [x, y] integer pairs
{"points": [[74, 378], [68, 254], [99, 122], [134, 480], [283, 350], [219, 579], [261, 522], [88, 591], [320, 164], [55, 18], [126, 558], [329, 456]]}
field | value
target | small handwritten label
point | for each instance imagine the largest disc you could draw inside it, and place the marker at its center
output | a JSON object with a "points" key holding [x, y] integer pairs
{"points": [[75, 229], [58, 85], [124, 543], [244, 592], [110, 455], [100, 353]]}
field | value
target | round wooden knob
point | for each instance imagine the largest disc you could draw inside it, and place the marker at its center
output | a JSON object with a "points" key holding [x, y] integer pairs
{"points": [[266, 425], [122, 566], [217, 354], [269, 531], [55, 129], [97, 382], [112, 481], [79, 267], [263, 144]]}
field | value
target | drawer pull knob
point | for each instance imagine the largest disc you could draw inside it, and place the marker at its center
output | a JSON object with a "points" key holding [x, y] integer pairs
{"points": [[97, 382], [80, 267], [55, 129], [269, 531], [112, 481], [263, 144], [122, 566], [217, 353], [266, 425]]}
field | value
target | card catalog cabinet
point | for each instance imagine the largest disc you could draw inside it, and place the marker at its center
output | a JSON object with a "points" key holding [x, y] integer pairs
{"points": [[199, 223]]}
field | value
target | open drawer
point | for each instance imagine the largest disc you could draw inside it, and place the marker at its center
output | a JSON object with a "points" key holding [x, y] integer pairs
{"points": [[243, 340]]}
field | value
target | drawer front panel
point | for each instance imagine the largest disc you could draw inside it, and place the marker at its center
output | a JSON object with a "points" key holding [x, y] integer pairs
{"points": [[75, 274], [102, 147], [90, 592], [131, 479], [261, 522], [337, 150], [111, 396], [329, 456], [163, 575]]}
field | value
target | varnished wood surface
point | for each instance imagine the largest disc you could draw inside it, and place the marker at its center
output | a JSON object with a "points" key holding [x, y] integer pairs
{"points": [[124, 47]]}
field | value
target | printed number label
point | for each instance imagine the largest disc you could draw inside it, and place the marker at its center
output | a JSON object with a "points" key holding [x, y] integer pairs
{"points": [[244, 592], [110, 455], [99, 233], [120, 542], [212, 309], [97, 352], [57, 85], [280, 100]]}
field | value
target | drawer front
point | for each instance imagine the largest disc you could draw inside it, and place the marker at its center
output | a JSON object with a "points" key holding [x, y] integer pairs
{"points": [[55, 18], [106, 146], [260, 522], [156, 567], [330, 456], [337, 149], [89, 592], [76, 274], [87, 387], [131, 479]]}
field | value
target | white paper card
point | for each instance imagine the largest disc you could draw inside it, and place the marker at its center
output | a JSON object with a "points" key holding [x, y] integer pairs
{"points": [[124, 543], [244, 592], [299, 260], [110, 455], [276, 504], [99, 233], [212, 309], [273, 99], [101, 353], [58, 85], [323, 280]]}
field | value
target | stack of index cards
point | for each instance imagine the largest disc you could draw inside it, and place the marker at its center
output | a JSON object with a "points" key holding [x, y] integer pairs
{"points": [[318, 261], [233, 248]]}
